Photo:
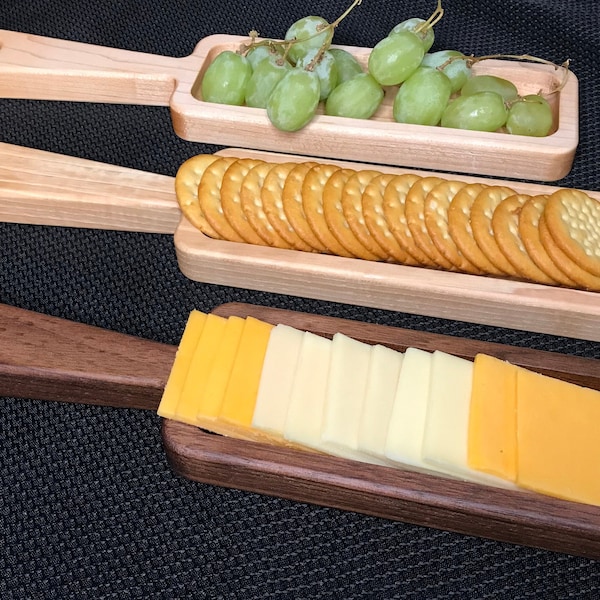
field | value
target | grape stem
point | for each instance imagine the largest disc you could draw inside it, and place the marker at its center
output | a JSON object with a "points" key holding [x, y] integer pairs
{"points": [[435, 17]]}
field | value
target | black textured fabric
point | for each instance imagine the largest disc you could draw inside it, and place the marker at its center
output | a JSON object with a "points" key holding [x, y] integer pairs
{"points": [[89, 508]]}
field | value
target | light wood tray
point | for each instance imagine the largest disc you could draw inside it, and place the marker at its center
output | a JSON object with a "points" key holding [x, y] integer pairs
{"points": [[45, 188], [38, 67], [52, 359]]}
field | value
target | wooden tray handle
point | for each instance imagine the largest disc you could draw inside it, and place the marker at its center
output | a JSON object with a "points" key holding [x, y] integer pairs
{"points": [[43, 68], [48, 358]]}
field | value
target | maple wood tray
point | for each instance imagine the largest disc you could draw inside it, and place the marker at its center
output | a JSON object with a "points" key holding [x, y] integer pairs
{"points": [[42, 68], [519, 517], [49, 358], [45, 188]]}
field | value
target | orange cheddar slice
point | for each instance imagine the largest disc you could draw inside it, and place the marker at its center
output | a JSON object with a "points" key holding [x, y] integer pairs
{"points": [[235, 417], [557, 438], [176, 381], [210, 398], [492, 436], [199, 368]]}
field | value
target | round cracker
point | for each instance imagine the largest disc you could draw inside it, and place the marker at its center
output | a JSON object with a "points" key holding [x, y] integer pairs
{"points": [[529, 221], [272, 200], [334, 215], [482, 212], [209, 196], [231, 199], [437, 203], [293, 209], [312, 203], [459, 226], [252, 206], [394, 199], [505, 224], [352, 207], [372, 207], [415, 218], [573, 220], [580, 276], [187, 181]]}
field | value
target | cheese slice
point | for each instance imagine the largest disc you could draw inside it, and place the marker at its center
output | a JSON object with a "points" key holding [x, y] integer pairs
{"points": [[199, 368], [492, 445], [558, 441], [210, 398], [346, 388], [176, 380], [382, 382], [277, 379], [235, 417], [307, 399], [446, 432]]}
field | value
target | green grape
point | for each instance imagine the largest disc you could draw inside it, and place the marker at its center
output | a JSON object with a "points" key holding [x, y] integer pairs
{"points": [[347, 64], [427, 36], [306, 31], [257, 53], [267, 74], [226, 78], [325, 68], [294, 101], [422, 98], [530, 115], [457, 71], [490, 83], [358, 98], [396, 57], [483, 111]]}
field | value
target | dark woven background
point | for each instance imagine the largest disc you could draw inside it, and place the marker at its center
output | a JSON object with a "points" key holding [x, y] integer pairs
{"points": [[89, 508]]}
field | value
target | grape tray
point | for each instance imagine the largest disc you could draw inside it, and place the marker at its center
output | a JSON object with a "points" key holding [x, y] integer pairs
{"points": [[37, 67]]}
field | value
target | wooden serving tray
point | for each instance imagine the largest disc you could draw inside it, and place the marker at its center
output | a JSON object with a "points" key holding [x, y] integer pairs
{"points": [[42, 68], [45, 188], [53, 359]]}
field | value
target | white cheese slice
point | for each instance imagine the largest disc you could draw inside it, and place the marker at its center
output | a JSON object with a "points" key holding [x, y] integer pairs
{"points": [[404, 438], [382, 382], [276, 380], [307, 398]]}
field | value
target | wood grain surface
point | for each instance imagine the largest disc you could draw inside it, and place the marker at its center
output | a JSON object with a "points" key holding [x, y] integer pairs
{"points": [[38, 67], [518, 517]]}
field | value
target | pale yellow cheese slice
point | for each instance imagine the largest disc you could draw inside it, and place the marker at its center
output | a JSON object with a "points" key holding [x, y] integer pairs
{"points": [[492, 439], [235, 417], [558, 438], [404, 438], [382, 382], [277, 379], [447, 423], [176, 380], [200, 366], [307, 400], [346, 388], [211, 396]]}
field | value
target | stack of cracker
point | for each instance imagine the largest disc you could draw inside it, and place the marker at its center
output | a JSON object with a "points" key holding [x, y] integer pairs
{"points": [[425, 221]]}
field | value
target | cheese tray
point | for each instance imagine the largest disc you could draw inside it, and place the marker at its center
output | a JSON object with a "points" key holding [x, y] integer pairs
{"points": [[53, 359], [42, 68], [38, 187]]}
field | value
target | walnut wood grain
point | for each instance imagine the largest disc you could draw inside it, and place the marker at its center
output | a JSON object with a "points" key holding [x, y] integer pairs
{"points": [[48, 358], [518, 517], [38, 67]]}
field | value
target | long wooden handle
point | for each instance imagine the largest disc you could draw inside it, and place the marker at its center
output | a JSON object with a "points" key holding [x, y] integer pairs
{"points": [[42, 68], [48, 358], [44, 188]]}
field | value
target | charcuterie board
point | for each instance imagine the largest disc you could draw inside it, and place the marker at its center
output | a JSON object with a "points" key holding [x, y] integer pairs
{"points": [[42, 68], [49, 189]]}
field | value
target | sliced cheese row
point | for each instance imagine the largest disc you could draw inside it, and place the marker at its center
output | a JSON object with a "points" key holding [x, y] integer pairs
{"points": [[485, 421]]}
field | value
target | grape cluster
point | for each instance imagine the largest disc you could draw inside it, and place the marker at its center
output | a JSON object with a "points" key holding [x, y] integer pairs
{"points": [[293, 77]]}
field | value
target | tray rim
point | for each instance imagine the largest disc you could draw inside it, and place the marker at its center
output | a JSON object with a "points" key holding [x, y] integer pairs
{"points": [[396, 494]]}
